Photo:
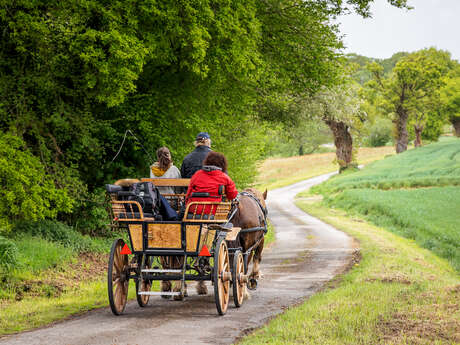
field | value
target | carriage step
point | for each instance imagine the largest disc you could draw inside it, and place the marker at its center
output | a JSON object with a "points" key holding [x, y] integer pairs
{"points": [[154, 270], [157, 293]]}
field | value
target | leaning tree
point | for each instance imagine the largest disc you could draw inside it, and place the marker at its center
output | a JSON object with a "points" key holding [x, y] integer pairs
{"points": [[340, 109]]}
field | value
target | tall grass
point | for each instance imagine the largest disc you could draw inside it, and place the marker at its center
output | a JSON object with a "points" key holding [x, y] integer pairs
{"points": [[37, 254]]}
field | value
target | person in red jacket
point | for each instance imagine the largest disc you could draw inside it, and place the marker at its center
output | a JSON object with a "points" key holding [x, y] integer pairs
{"points": [[206, 183]]}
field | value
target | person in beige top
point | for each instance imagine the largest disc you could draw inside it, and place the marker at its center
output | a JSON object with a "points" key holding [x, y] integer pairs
{"points": [[164, 168]]}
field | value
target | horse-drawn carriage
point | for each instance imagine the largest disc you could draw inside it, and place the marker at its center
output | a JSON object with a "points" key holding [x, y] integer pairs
{"points": [[198, 241]]}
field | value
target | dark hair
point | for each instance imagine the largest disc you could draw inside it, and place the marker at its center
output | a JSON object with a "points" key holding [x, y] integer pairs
{"points": [[164, 158], [217, 159]]}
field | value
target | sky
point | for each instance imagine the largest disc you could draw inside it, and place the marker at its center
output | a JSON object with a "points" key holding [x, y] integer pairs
{"points": [[390, 30]]}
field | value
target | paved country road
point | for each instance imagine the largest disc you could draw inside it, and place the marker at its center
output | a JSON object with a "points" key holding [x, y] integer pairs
{"points": [[307, 253]]}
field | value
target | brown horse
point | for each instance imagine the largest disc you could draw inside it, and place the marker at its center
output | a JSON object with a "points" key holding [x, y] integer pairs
{"points": [[251, 214]]}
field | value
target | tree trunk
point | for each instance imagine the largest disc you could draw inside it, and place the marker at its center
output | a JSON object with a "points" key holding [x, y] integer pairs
{"points": [[456, 123], [418, 135], [343, 142], [402, 137]]}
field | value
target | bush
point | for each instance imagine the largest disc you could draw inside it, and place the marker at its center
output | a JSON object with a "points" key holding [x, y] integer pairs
{"points": [[433, 128], [380, 133], [27, 192], [90, 216], [8, 254]]}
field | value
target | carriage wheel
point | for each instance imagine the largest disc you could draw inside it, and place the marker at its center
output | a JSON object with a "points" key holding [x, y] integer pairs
{"points": [[146, 285], [237, 278], [221, 276], [118, 278]]}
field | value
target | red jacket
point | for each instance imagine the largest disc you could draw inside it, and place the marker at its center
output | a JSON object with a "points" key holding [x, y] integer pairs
{"points": [[209, 182]]}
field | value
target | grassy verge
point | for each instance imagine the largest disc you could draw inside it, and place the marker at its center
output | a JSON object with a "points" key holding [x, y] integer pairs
{"points": [[34, 312], [280, 172], [55, 272], [270, 236], [399, 293]]}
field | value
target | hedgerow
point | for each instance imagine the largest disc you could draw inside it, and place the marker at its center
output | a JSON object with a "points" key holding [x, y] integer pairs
{"points": [[27, 192]]}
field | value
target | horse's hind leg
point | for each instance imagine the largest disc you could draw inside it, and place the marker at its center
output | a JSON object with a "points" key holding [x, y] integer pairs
{"points": [[201, 288], [256, 274], [165, 285]]}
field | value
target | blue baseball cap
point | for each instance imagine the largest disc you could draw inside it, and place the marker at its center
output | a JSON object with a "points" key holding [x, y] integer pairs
{"points": [[203, 135]]}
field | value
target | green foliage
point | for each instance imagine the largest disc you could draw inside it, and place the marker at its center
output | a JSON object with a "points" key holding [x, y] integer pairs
{"points": [[379, 133], [303, 138], [91, 215], [362, 75], [75, 75], [434, 125], [27, 192], [410, 94], [450, 98], [8, 254], [299, 45]]}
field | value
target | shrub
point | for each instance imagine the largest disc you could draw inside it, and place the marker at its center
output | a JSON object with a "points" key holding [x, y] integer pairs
{"points": [[433, 128], [8, 254], [380, 133], [27, 192], [90, 216]]}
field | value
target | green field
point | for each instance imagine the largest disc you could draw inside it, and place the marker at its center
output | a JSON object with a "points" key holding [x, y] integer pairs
{"points": [[437, 164], [414, 194], [430, 216]]}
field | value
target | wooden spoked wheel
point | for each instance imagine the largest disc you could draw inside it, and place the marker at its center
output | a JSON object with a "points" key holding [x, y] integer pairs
{"points": [[118, 278], [221, 276], [145, 285], [237, 278]]}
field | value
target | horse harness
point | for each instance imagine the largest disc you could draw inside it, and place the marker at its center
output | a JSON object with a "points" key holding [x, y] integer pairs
{"points": [[263, 209]]}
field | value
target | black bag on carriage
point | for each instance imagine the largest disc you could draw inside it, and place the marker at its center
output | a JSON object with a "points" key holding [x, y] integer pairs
{"points": [[148, 196], [152, 201]]}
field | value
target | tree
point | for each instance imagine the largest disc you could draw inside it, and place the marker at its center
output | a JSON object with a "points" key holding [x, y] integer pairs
{"points": [[362, 74], [450, 100], [75, 75], [410, 92], [340, 109]]}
